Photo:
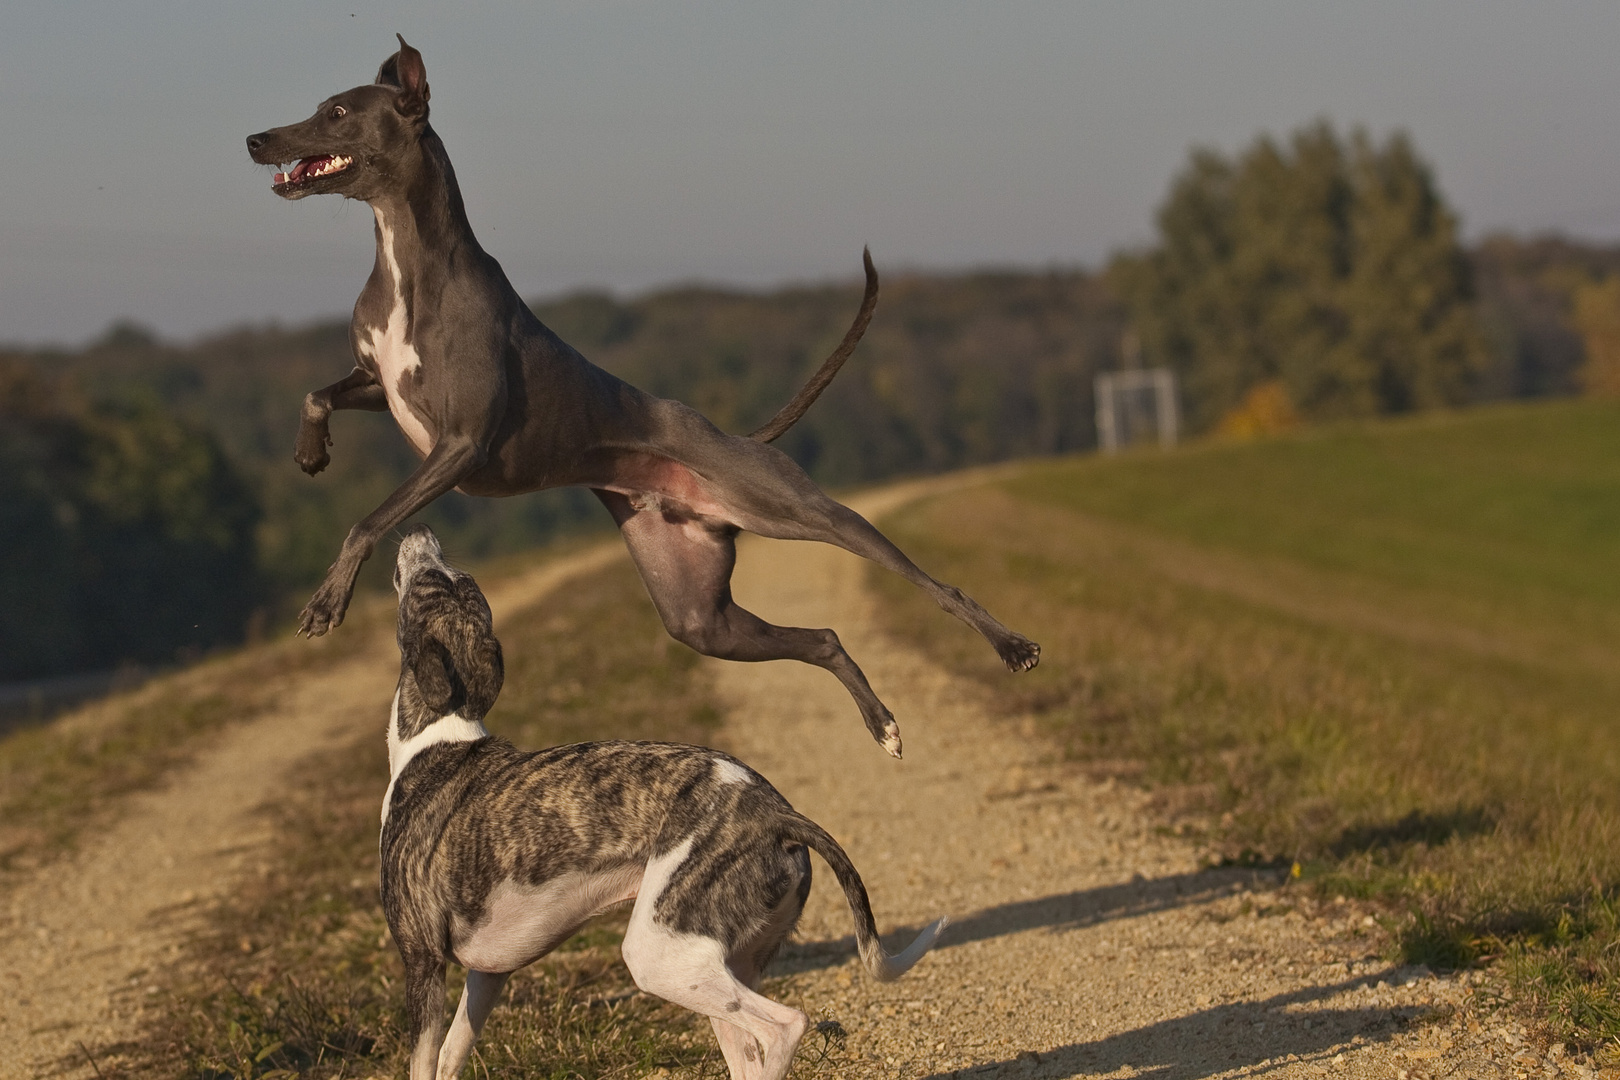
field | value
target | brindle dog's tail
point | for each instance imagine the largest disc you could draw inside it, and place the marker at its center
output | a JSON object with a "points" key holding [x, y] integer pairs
{"points": [[811, 390], [884, 967]]}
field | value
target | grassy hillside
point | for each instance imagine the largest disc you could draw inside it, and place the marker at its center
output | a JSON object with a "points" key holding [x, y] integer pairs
{"points": [[1385, 651]]}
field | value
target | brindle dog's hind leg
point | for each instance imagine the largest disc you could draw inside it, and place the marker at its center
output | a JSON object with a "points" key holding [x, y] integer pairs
{"points": [[686, 564]]}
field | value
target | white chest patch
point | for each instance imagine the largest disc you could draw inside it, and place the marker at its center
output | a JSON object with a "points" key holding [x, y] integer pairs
{"points": [[395, 357], [450, 728]]}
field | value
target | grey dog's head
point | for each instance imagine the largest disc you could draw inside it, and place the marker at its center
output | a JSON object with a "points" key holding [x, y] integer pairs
{"points": [[361, 143], [450, 660]]}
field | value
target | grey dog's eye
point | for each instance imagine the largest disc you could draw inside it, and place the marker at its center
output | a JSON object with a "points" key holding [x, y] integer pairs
{"points": [[338, 112]]}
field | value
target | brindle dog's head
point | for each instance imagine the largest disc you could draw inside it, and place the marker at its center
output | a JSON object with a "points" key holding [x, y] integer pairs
{"points": [[361, 144], [450, 660]]}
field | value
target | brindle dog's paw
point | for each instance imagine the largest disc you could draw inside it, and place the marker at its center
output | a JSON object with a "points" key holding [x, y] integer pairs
{"points": [[310, 450], [1019, 653]]}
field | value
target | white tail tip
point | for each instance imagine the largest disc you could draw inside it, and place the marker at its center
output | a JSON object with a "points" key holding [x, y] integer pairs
{"points": [[892, 967]]}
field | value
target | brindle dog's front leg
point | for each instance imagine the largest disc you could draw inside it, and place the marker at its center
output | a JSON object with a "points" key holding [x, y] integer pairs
{"points": [[356, 390], [452, 459]]}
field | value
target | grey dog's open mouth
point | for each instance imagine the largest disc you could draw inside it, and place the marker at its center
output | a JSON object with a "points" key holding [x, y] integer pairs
{"points": [[312, 168]]}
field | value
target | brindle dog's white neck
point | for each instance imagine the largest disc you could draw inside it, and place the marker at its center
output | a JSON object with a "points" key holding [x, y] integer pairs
{"points": [[450, 728]]}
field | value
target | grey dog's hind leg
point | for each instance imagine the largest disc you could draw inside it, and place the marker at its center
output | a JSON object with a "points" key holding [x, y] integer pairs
{"points": [[765, 492], [848, 530], [686, 565]]}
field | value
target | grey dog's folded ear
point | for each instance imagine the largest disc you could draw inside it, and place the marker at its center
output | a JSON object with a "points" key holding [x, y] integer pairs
{"points": [[388, 74]]}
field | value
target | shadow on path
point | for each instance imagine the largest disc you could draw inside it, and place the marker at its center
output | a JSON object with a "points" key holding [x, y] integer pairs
{"points": [[1241, 1035], [1063, 911]]}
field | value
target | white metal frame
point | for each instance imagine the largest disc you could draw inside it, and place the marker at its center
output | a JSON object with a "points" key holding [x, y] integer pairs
{"points": [[1112, 385]]}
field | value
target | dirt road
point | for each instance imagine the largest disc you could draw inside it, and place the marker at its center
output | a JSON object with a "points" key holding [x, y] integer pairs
{"points": [[1084, 943]]}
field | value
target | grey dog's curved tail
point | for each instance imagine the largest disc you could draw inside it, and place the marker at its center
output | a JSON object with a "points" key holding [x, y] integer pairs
{"points": [[806, 397], [883, 966]]}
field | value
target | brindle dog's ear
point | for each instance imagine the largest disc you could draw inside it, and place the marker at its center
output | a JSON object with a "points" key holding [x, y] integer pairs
{"points": [[483, 674], [405, 70], [429, 663]]}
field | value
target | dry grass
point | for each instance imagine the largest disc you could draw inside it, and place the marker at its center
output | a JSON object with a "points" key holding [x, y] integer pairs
{"points": [[58, 778], [1385, 652], [297, 975]]}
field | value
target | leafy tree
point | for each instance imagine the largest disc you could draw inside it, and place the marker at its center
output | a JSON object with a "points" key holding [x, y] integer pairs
{"points": [[129, 537], [1529, 292], [1597, 316], [1331, 267]]}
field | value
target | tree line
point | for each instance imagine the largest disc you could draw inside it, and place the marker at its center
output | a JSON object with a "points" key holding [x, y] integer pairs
{"points": [[1317, 277], [128, 534]]}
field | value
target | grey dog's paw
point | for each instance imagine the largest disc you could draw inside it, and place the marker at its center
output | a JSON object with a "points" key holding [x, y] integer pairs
{"points": [[324, 611], [1019, 653], [880, 722], [310, 450]]}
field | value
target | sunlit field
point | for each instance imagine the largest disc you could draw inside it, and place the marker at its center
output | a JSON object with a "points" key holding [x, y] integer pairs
{"points": [[1385, 652]]}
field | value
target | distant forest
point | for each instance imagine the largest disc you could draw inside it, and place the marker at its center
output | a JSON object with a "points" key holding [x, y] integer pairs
{"points": [[150, 504]]}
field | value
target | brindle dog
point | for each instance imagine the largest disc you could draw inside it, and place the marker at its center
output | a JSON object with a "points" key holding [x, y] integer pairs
{"points": [[493, 856], [498, 405]]}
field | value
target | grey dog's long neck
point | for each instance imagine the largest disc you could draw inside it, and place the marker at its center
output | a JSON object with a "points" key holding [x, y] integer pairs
{"points": [[426, 213]]}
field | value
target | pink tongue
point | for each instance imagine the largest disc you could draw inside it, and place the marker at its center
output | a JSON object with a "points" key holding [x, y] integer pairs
{"points": [[308, 165]]}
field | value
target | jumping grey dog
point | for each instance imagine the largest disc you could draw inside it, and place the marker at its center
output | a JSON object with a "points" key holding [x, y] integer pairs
{"points": [[493, 856], [499, 405]]}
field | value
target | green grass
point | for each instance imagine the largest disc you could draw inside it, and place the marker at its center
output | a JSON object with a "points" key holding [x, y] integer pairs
{"points": [[1388, 651], [297, 975]]}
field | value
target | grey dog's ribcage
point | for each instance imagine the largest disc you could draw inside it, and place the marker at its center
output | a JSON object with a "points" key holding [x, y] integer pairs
{"points": [[466, 817]]}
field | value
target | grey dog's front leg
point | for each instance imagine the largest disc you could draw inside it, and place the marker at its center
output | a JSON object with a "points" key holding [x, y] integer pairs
{"points": [[356, 390], [442, 470]]}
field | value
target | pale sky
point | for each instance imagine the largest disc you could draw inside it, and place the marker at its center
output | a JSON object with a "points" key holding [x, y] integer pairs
{"points": [[627, 145]]}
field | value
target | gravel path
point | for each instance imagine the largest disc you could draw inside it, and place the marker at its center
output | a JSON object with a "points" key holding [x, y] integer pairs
{"points": [[80, 940], [1084, 942]]}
